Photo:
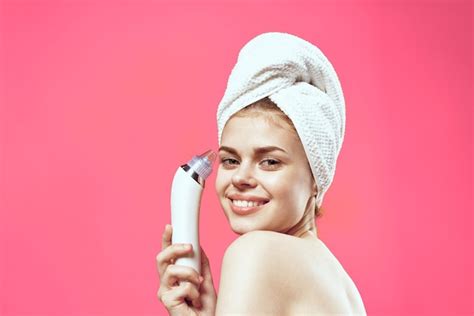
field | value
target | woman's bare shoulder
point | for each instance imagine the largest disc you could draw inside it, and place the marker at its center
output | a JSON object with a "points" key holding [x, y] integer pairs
{"points": [[262, 241], [263, 270], [246, 284]]}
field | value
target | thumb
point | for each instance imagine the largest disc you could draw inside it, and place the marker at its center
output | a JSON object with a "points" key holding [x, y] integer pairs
{"points": [[205, 267]]}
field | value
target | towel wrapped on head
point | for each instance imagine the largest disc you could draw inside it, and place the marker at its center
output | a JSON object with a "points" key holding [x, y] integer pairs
{"points": [[301, 81]]}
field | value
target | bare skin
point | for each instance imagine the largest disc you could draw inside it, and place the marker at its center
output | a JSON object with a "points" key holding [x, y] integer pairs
{"points": [[300, 277], [309, 296]]}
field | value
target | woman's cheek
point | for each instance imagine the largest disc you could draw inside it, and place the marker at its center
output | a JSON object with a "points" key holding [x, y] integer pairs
{"points": [[218, 183], [222, 181]]}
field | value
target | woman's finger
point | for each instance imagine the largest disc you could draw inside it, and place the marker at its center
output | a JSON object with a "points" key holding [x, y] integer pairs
{"points": [[207, 290], [166, 237], [180, 273], [178, 294], [170, 254]]}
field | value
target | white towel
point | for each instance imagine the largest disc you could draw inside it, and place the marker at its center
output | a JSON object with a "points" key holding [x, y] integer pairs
{"points": [[301, 81]]}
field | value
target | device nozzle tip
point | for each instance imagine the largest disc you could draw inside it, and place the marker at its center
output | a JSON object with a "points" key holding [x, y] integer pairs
{"points": [[209, 155]]}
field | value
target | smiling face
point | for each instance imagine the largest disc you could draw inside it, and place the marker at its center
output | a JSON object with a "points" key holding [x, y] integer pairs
{"points": [[251, 167]]}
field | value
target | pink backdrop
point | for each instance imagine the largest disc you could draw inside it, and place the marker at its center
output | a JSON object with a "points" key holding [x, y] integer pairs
{"points": [[100, 103]]}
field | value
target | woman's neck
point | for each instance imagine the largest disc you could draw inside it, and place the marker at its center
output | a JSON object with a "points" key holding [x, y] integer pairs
{"points": [[305, 228]]}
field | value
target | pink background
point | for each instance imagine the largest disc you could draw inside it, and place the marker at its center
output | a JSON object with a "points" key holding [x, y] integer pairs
{"points": [[101, 102]]}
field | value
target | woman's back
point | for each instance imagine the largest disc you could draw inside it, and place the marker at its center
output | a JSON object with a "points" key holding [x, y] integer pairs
{"points": [[327, 287]]}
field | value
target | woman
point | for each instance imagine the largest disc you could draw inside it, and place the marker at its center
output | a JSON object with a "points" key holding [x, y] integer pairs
{"points": [[281, 124]]}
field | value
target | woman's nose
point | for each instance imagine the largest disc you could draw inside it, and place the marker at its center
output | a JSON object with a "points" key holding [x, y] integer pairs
{"points": [[243, 177]]}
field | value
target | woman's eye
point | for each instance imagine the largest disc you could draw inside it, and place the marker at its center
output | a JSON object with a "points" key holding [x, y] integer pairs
{"points": [[272, 162], [228, 161]]}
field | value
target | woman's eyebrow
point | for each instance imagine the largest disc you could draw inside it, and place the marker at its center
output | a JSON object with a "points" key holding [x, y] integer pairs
{"points": [[259, 150]]}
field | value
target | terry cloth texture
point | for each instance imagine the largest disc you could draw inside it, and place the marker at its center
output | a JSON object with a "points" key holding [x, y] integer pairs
{"points": [[301, 81]]}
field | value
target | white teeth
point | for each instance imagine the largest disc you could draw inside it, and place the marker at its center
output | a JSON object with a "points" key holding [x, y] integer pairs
{"points": [[241, 203]]}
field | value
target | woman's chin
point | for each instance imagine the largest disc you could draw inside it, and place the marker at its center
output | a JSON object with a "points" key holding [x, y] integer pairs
{"points": [[239, 226], [241, 231]]}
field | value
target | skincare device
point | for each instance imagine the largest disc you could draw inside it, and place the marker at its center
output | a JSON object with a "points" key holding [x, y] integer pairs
{"points": [[186, 191]]}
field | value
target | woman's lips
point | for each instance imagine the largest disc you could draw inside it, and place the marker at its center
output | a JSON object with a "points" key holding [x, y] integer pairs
{"points": [[245, 210]]}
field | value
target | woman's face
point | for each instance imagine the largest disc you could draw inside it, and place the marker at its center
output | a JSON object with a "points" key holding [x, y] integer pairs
{"points": [[250, 170]]}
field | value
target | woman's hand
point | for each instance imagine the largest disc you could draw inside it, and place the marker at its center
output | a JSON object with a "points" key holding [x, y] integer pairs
{"points": [[178, 284]]}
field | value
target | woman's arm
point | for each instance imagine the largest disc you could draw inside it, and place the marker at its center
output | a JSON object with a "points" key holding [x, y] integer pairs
{"points": [[247, 278]]}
